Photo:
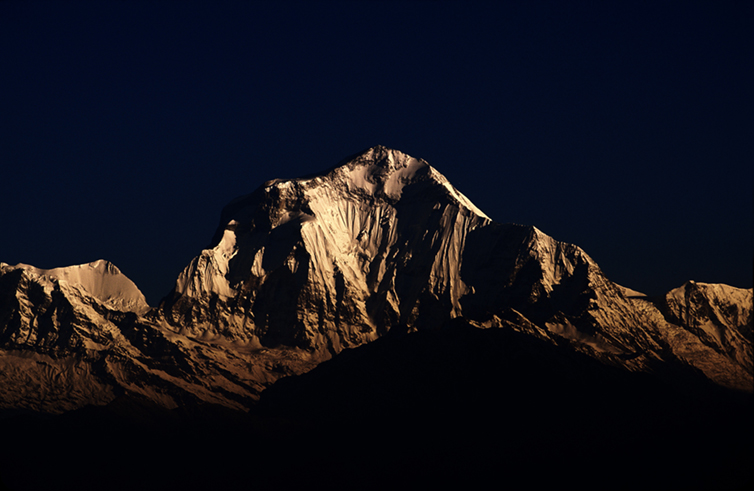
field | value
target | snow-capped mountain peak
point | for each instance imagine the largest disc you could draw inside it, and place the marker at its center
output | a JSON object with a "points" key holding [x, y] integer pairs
{"points": [[381, 170], [359, 207], [101, 279]]}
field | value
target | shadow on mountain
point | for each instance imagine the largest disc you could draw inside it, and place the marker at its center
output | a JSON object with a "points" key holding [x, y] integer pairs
{"points": [[135, 445], [451, 408], [463, 408]]}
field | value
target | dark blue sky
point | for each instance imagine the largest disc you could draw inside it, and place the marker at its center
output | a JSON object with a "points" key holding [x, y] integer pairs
{"points": [[623, 127]]}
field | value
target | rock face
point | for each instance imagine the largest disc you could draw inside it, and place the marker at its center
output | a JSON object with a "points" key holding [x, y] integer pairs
{"points": [[302, 269]]}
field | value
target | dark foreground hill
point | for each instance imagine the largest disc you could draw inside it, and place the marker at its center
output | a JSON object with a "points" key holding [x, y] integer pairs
{"points": [[451, 408]]}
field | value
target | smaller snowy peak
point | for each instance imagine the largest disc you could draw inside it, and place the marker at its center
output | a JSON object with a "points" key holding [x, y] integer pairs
{"points": [[101, 279], [721, 315], [713, 291], [701, 302]]}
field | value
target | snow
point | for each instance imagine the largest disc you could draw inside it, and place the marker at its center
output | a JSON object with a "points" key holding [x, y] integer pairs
{"points": [[564, 328], [629, 293], [457, 195], [381, 169], [337, 217], [718, 314], [100, 279], [207, 272], [389, 176], [345, 238], [698, 301], [557, 259], [705, 329]]}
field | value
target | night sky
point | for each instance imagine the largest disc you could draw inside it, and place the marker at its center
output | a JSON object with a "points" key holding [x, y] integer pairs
{"points": [[623, 127]]}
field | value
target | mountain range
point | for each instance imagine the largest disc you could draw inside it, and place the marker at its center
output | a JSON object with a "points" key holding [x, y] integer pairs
{"points": [[377, 265]]}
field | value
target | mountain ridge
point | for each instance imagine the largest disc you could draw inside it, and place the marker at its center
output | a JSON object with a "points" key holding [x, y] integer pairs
{"points": [[302, 269]]}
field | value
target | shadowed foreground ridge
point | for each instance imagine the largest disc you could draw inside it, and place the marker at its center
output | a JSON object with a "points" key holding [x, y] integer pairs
{"points": [[444, 408], [474, 407]]}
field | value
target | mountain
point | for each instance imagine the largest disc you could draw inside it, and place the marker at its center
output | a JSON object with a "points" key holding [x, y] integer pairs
{"points": [[302, 269], [331, 261], [383, 241], [72, 337], [705, 326], [99, 279], [364, 325]]}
